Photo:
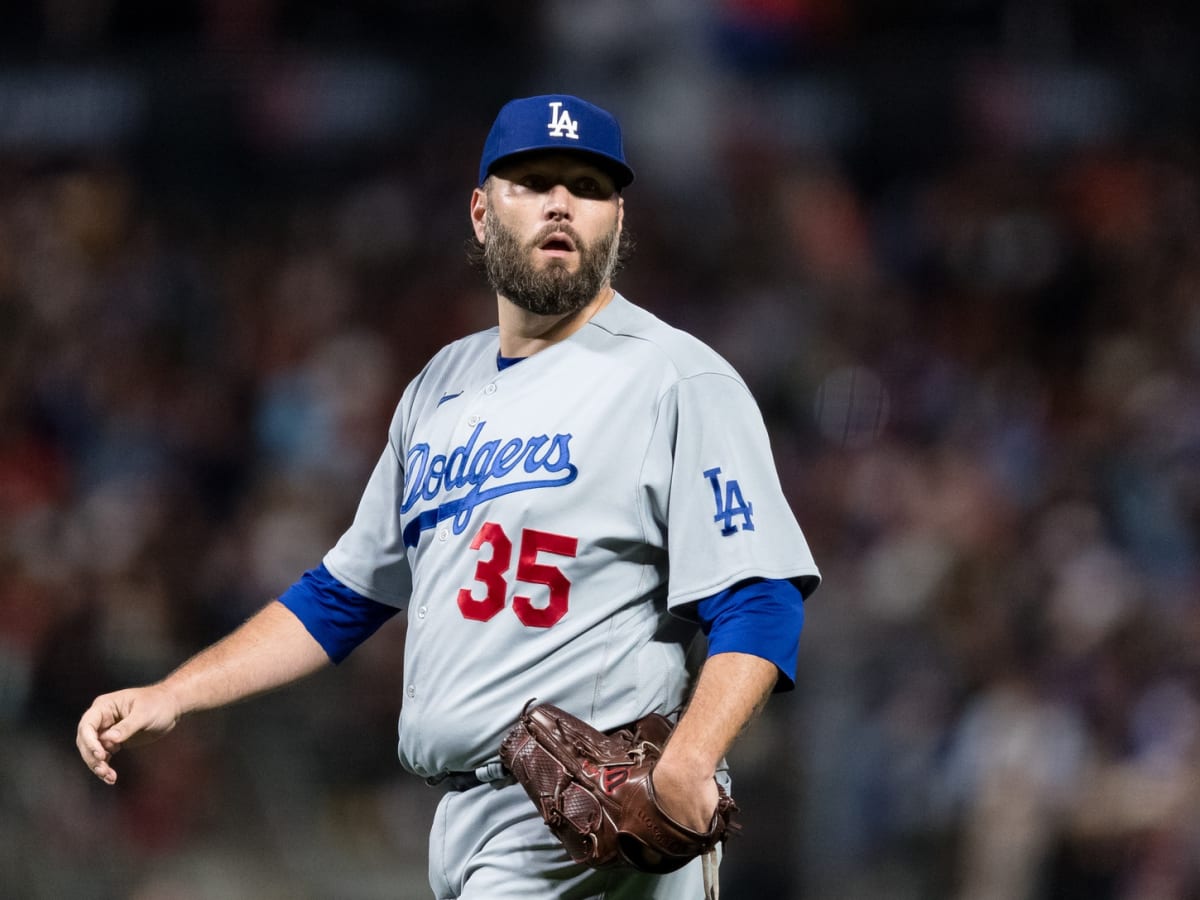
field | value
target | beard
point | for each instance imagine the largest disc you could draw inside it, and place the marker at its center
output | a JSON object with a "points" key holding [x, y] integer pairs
{"points": [[552, 290]]}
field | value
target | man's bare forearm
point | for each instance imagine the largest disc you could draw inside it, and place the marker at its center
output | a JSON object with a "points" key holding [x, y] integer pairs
{"points": [[269, 650], [731, 691]]}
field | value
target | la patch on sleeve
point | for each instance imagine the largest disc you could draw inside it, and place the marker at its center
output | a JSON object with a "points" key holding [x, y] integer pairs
{"points": [[731, 504]]}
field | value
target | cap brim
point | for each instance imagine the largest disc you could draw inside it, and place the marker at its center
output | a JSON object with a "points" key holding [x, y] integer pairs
{"points": [[618, 171]]}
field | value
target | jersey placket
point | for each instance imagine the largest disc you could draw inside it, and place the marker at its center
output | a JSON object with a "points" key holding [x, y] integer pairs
{"points": [[470, 416]]}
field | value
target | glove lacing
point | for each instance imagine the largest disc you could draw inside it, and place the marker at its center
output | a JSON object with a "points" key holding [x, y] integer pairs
{"points": [[709, 868]]}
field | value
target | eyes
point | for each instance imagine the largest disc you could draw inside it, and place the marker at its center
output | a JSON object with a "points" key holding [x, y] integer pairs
{"points": [[586, 186]]}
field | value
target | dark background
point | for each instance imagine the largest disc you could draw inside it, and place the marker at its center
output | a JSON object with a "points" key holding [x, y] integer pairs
{"points": [[954, 247]]}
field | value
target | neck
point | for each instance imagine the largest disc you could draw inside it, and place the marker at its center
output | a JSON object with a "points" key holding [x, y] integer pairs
{"points": [[523, 333]]}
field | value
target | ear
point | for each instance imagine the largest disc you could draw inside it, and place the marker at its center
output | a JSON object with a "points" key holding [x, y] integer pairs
{"points": [[479, 204]]}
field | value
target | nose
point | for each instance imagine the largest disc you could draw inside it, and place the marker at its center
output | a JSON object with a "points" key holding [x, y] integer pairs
{"points": [[558, 203]]}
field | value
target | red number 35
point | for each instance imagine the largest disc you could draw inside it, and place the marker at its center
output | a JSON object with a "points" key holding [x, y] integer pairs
{"points": [[491, 574]]}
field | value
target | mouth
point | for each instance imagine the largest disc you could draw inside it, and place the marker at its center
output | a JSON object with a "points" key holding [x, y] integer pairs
{"points": [[558, 244]]}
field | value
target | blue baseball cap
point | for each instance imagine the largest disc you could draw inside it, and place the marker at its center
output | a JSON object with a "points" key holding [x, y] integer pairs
{"points": [[556, 122]]}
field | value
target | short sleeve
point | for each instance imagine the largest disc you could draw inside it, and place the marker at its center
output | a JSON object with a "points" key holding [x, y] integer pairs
{"points": [[370, 556], [726, 515]]}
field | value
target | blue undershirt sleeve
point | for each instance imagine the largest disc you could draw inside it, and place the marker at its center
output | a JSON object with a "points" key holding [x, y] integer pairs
{"points": [[336, 616], [762, 617]]}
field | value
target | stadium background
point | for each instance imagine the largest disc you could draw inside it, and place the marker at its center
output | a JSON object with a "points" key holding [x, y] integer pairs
{"points": [[953, 246]]}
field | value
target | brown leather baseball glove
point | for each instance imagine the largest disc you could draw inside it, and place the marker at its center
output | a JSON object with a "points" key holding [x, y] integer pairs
{"points": [[594, 790]]}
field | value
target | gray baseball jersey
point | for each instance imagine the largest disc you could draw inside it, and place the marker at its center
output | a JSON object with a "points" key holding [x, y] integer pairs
{"points": [[539, 522]]}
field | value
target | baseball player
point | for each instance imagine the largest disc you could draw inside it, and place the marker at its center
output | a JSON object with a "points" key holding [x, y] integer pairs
{"points": [[563, 502]]}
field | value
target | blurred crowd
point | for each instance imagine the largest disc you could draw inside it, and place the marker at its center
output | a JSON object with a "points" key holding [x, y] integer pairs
{"points": [[974, 330]]}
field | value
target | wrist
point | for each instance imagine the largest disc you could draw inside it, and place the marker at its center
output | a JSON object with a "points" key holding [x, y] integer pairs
{"points": [[683, 761], [173, 696]]}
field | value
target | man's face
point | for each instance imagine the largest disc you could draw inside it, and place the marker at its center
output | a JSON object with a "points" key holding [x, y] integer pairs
{"points": [[549, 224]]}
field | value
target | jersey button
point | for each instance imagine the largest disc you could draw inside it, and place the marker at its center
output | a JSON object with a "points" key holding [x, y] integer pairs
{"points": [[422, 612], [444, 534], [490, 389], [473, 421], [412, 691]]}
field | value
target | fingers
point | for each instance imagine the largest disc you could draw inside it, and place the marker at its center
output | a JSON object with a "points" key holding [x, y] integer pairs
{"points": [[98, 738], [105, 772], [95, 753]]}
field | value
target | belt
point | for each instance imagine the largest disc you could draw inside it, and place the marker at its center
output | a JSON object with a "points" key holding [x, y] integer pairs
{"points": [[464, 781]]}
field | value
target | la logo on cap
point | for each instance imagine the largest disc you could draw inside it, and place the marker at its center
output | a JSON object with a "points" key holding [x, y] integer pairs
{"points": [[561, 124]]}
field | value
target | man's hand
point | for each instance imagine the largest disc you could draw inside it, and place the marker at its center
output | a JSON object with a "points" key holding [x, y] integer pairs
{"points": [[686, 793], [130, 717]]}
